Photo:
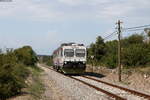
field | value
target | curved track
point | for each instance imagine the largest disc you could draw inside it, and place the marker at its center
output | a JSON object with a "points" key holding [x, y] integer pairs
{"points": [[113, 95], [122, 88], [101, 90]]}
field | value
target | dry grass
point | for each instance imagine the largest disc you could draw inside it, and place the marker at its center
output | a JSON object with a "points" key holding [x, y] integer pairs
{"points": [[140, 70], [36, 88]]}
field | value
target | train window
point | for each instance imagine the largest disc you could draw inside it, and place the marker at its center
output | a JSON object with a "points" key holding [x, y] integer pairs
{"points": [[80, 52], [69, 52]]}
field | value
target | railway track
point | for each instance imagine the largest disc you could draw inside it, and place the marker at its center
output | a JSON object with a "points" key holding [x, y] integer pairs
{"points": [[101, 90], [122, 88], [116, 96]]}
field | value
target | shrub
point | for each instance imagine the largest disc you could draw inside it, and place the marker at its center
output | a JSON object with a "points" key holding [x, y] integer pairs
{"points": [[13, 70], [12, 76], [135, 52], [26, 55]]}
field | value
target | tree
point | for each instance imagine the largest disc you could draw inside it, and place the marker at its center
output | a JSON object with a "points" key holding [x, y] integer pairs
{"points": [[148, 33], [133, 39], [135, 52], [26, 55], [135, 55], [91, 52], [91, 49], [110, 57], [99, 48], [147, 30]]}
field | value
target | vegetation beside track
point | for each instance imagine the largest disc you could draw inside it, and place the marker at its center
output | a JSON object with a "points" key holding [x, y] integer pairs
{"points": [[48, 60], [14, 70], [135, 52], [35, 87]]}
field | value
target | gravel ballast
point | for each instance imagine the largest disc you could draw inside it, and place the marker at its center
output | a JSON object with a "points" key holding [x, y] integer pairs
{"points": [[71, 88], [111, 89]]}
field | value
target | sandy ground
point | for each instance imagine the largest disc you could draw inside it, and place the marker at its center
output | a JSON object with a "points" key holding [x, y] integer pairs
{"points": [[135, 80], [21, 97]]}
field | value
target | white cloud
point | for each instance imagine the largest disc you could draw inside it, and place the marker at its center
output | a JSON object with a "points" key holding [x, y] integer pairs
{"points": [[83, 2], [71, 9], [27, 9]]}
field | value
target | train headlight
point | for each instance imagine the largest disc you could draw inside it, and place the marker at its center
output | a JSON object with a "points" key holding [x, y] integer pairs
{"points": [[65, 62]]}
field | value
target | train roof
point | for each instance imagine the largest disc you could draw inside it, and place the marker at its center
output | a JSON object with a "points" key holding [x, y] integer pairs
{"points": [[67, 44], [71, 44]]}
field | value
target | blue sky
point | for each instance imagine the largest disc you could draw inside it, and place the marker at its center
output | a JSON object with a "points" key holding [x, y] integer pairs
{"points": [[45, 24]]}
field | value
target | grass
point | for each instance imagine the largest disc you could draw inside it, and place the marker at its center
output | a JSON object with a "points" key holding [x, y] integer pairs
{"points": [[36, 88], [141, 70], [144, 70]]}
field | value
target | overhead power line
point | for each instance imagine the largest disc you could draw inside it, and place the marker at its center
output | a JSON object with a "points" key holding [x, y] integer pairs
{"points": [[136, 27], [109, 36]]}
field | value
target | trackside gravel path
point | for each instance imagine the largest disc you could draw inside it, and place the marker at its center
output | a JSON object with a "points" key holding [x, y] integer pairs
{"points": [[60, 87]]}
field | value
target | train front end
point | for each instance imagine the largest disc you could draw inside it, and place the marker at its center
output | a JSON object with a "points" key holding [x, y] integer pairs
{"points": [[74, 60]]}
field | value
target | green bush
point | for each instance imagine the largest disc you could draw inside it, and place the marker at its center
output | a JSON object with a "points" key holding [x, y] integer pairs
{"points": [[14, 71], [48, 60], [26, 55], [110, 61], [135, 52], [110, 58], [12, 76], [135, 55]]}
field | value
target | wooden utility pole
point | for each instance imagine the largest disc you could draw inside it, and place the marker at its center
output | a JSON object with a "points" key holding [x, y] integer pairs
{"points": [[92, 63], [119, 49]]}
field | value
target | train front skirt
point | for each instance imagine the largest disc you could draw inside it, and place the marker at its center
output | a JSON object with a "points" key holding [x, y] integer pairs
{"points": [[73, 68]]}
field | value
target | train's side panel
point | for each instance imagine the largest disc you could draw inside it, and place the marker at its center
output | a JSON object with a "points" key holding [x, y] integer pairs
{"points": [[56, 59]]}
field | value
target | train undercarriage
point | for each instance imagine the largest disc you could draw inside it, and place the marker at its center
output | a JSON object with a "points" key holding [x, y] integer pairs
{"points": [[71, 68]]}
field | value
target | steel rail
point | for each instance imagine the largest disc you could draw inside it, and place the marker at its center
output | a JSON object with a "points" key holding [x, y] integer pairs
{"points": [[113, 85], [122, 88], [98, 89], [101, 90]]}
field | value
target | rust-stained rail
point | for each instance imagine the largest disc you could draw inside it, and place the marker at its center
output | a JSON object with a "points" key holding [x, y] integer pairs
{"points": [[101, 90], [122, 88], [113, 85], [98, 89]]}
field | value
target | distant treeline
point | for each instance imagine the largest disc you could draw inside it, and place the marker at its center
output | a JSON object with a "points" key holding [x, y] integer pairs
{"points": [[47, 59], [14, 71], [135, 52]]}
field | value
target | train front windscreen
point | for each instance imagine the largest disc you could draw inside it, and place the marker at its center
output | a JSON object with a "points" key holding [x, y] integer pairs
{"points": [[69, 52], [80, 52]]}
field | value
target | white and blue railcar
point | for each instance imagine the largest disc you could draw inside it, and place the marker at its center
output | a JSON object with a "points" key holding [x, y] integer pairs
{"points": [[70, 58]]}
